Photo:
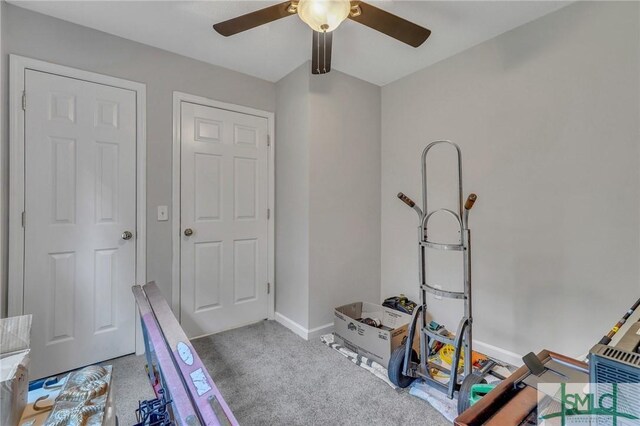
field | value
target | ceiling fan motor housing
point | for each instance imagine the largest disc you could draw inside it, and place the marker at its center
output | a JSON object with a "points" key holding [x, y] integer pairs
{"points": [[323, 15]]}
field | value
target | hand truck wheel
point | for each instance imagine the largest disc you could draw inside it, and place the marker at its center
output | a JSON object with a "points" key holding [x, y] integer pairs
{"points": [[396, 362], [464, 394]]}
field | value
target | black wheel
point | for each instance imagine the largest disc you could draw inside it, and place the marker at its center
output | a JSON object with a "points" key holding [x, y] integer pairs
{"points": [[465, 391], [396, 363]]}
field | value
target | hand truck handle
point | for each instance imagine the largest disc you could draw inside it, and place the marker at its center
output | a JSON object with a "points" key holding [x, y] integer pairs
{"points": [[470, 201], [408, 201]]}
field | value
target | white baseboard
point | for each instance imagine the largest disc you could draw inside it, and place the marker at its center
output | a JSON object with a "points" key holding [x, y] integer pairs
{"points": [[292, 325], [497, 353], [484, 348], [316, 332], [508, 356], [301, 331]]}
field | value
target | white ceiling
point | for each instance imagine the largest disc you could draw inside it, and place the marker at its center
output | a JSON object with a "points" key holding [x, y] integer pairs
{"points": [[272, 51]]}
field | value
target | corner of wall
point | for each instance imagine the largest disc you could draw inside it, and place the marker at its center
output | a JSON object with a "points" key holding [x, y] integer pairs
{"points": [[292, 201], [345, 175], [328, 195], [305, 333]]}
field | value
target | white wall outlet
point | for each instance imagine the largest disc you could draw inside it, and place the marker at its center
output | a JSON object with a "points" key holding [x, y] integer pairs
{"points": [[163, 213]]}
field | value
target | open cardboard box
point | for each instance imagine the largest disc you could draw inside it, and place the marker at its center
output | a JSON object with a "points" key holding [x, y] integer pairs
{"points": [[377, 344]]}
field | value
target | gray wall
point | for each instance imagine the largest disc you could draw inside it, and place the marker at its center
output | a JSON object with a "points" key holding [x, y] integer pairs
{"points": [[328, 195], [344, 205], [292, 196], [41, 37], [547, 116]]}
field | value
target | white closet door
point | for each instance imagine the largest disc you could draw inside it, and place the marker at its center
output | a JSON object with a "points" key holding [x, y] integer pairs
{"points": [[224, 194], [80, 183]]}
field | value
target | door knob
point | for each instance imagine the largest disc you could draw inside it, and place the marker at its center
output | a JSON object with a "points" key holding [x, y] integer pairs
{"points": [[126, 235], [188, 232]]}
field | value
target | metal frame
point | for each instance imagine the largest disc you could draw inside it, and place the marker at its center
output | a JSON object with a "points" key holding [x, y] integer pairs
{"points": [[174, 366], [463, 337]]}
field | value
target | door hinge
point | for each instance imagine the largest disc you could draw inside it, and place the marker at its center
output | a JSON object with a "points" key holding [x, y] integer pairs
{"points": [[268, 288], [24, 100], [22, 219], [268, 141], [268, 214]]}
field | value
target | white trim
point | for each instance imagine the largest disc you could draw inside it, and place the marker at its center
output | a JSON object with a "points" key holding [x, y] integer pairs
{"points": [[3, 185], [484, 348], [271, 230], [292, 325], [175, 209], [316, 332], [18, 66], [16, 188], [306, 334], [497, 353], [179, 97]]}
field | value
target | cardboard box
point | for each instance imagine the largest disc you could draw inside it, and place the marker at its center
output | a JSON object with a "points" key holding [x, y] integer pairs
{"points": [[377, 344], [15, 339]]}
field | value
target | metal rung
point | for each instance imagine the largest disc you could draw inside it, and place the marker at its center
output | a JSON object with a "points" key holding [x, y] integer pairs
{"points": [[444, 293], [440, 246], [433, 382], [439, 337], [438, 367]]}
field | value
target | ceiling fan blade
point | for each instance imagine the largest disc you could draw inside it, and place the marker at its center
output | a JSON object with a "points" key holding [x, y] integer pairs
{"points": [[389, 24], [321, 53], [254, 19]]}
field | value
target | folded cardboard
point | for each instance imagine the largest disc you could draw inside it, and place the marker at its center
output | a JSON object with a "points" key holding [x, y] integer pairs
{"points": [[377, 344], [15, 334], [15, 337]]}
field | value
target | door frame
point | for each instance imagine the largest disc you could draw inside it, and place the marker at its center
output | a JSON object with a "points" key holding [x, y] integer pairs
{"points": [[18, 67], [178, 98]]}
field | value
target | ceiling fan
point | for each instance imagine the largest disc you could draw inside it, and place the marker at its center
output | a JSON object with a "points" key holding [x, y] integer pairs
{"points": [[324, 16]]}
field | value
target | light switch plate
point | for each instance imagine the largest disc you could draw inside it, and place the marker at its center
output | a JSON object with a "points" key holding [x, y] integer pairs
{"points": [[163, 213]]}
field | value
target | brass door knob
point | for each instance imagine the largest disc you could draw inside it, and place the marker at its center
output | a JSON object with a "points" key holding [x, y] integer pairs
{"points": [[127, 235], [188, 232]]}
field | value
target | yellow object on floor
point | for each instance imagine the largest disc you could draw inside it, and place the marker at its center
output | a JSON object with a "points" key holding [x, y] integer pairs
{"points": [[447, 351]]}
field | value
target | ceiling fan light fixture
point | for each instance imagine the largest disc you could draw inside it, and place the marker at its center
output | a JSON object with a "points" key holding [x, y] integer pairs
{"points": [[323, 15]]}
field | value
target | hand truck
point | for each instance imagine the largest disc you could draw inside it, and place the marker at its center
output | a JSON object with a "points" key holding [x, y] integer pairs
{"points": [[404, 365]]}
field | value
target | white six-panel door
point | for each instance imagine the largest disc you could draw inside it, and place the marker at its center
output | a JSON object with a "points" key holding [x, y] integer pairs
{"points": [[80, 197], [224, 199]]}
